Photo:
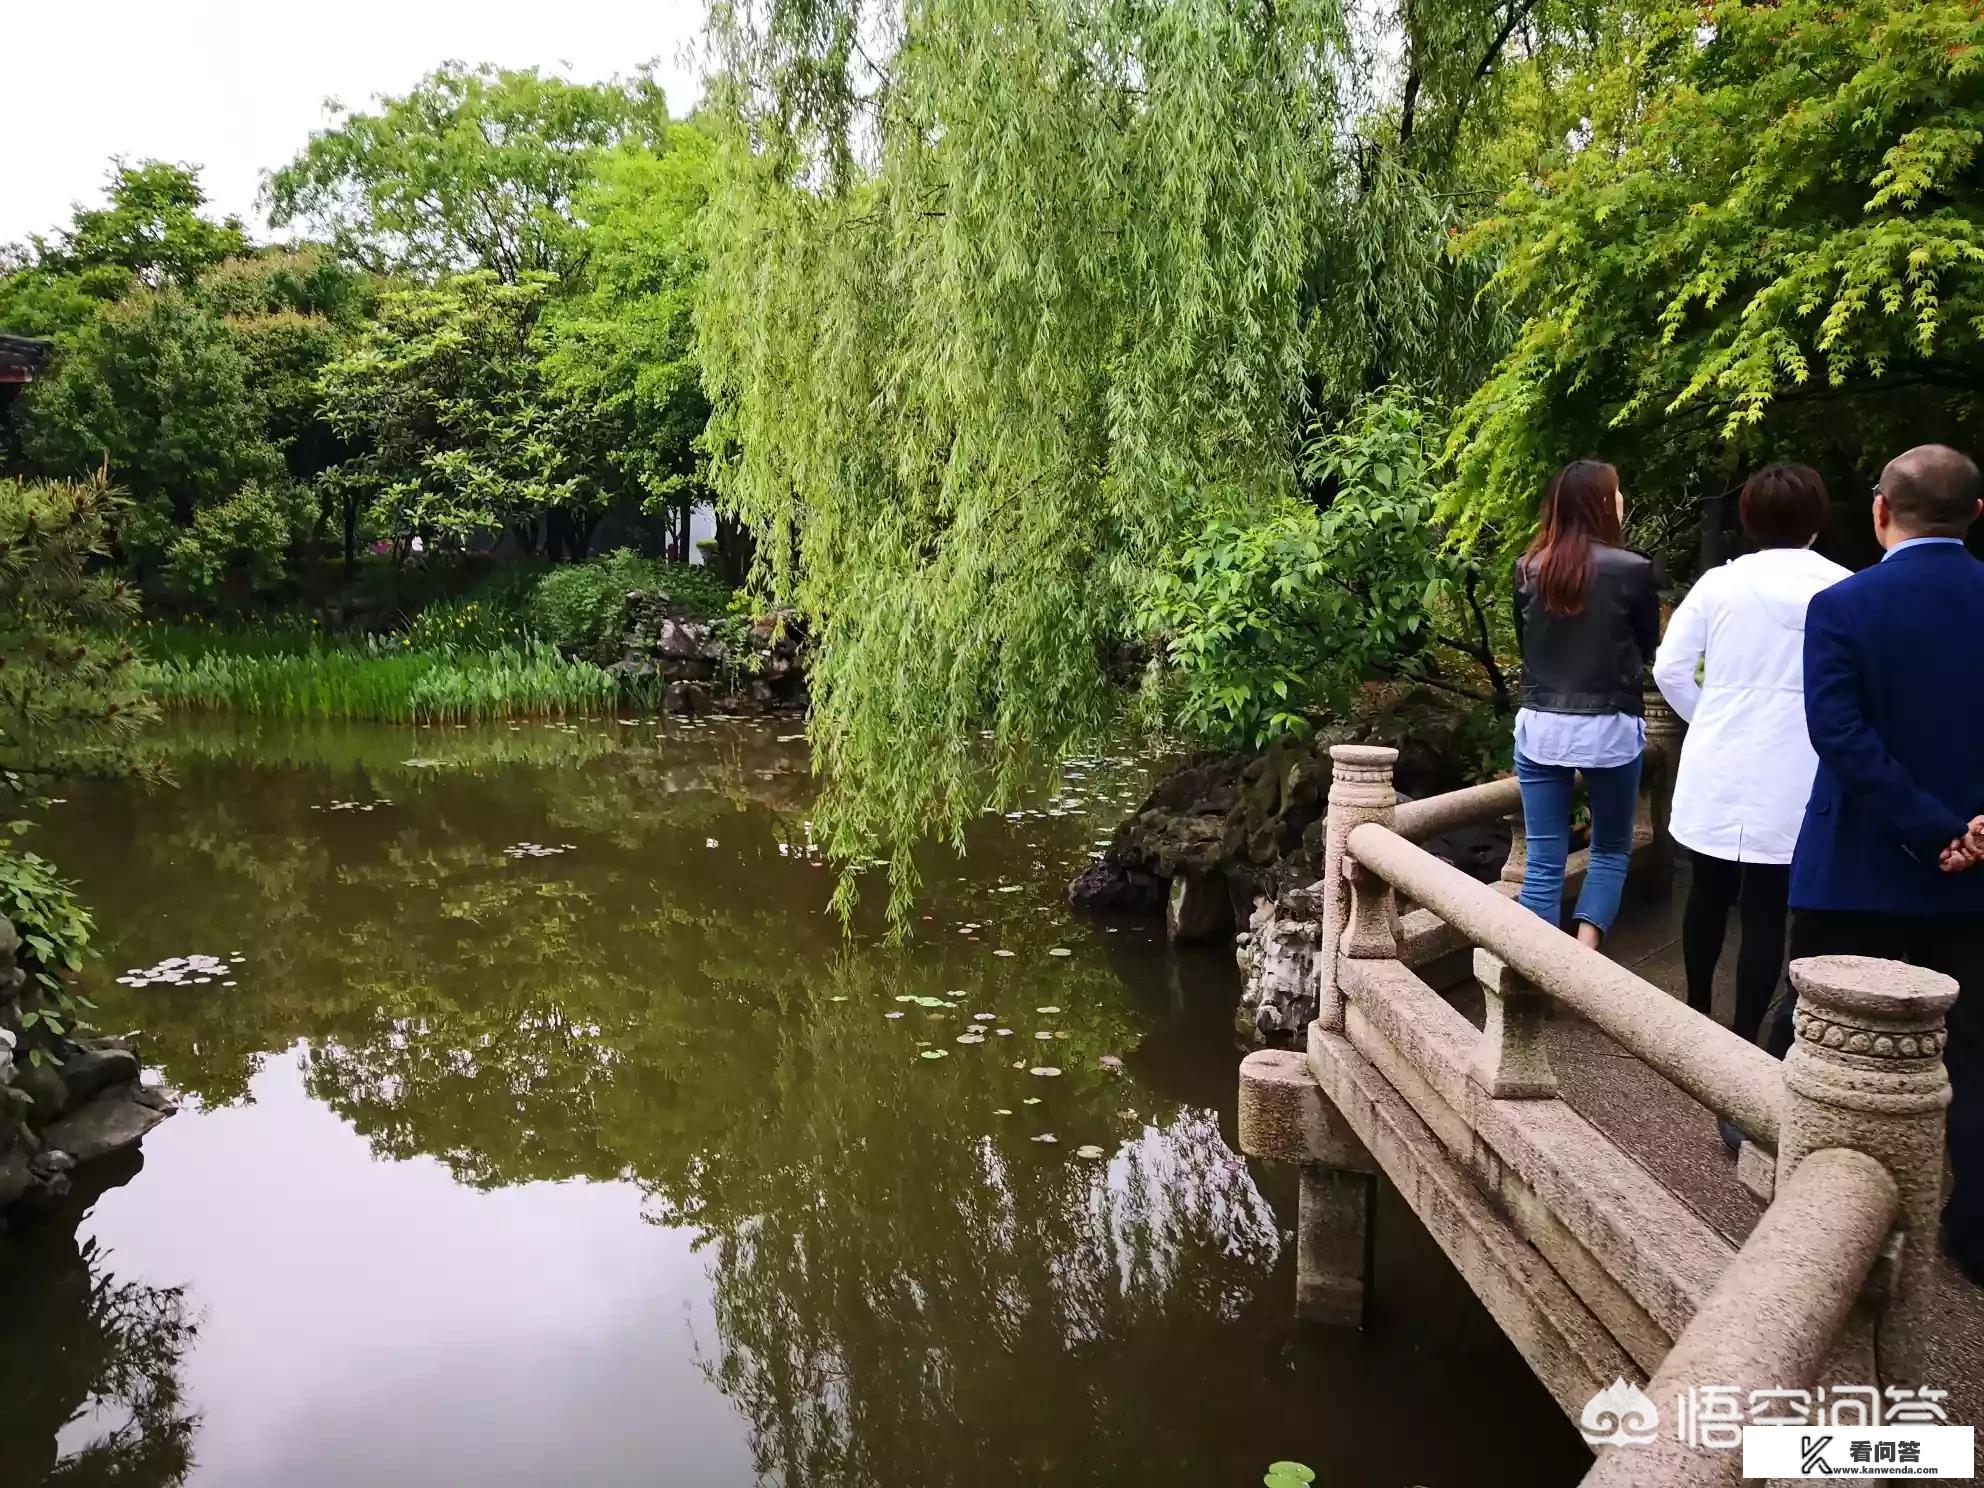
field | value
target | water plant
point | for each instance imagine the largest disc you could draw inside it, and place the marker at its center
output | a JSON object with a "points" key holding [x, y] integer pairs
{"points": [[384, 678]]}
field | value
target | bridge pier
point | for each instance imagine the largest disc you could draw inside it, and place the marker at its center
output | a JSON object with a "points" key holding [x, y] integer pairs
{"points": [[1285, 1118]]}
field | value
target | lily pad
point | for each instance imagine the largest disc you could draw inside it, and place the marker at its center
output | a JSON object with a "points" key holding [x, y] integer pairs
{"points": [[1031, 1100], [1045, 1071], [1088, 1149], [1047, 1137], [1003, 952], [1002, 1110], [1288, 1475], [1060, 951], [935, 1054], [1109, 1061], [1050, 1008]]}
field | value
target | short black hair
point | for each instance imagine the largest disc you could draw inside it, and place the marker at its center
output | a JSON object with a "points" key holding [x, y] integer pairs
{"points": [[1784, 506], [1933, 490]]}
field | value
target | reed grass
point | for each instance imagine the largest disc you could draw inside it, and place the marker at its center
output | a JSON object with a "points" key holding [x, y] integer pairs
{"points": [[283, 672]]}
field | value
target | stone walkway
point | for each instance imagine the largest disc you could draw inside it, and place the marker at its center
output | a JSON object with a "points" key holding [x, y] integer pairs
{"points": [[1675, 1138]]}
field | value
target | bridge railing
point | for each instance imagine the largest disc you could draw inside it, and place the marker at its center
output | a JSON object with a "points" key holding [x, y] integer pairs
{"points": [[1593, 1267]]}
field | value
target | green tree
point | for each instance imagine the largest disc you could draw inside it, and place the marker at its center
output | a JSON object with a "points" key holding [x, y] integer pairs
{"points": [[459, 434], [150, 232], [1773, 241], [474, 168], [156, 386], [623, 345], [1007, 304], [70, 706], [1269, 618]]}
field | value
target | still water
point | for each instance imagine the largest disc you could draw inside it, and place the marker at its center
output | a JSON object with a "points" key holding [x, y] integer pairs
{"points": [[548, 1131]]}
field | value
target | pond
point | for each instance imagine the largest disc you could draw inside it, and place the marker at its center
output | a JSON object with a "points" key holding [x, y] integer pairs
{"points": [[542, 1127]]}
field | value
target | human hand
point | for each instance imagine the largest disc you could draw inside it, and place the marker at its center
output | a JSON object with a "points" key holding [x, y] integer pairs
{"points": [[1965, 852]]}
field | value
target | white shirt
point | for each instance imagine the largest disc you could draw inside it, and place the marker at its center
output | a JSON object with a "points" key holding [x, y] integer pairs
{"points": [[1582, 741], [1747, 764]]}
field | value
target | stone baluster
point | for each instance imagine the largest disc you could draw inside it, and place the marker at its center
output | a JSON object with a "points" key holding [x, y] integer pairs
{"points": [[1866, 1072], [1664, 731], [1511, 1062], [1517, 862], [1360, 791]]}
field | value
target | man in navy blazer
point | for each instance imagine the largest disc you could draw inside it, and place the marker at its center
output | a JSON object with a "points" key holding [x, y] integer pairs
{"points": [[1894, 663]]}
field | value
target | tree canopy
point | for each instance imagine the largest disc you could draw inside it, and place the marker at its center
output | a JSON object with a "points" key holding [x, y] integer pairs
{"points": [[1779, 247], [476, 167]]}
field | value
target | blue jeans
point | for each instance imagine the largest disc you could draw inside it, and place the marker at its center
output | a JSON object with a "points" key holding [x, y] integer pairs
{"points": [[1546, 814]]}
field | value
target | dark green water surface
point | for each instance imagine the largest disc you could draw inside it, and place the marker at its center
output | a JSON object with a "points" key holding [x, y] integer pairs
{"points": [[620, 1165]]}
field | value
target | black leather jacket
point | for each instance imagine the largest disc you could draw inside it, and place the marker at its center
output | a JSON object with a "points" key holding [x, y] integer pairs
{"points": [[1594, 661]]}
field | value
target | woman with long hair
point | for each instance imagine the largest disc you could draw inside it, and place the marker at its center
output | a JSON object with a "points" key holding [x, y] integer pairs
{"points": [[1747, 765], [1587, 620]]}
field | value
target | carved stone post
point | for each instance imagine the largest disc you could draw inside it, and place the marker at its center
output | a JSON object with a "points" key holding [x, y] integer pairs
{"points": [[1866, 1072], [1517, 863], [1285, 1117], [1664, 730], [1510, 1062], [1360, 791]]}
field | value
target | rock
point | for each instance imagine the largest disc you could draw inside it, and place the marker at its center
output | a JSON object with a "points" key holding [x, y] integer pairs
{"points": [[682, 638], [15, 1177], [45, 1088], [113, 1122], [1107, 887], [96, 1069], [157, 1097], [689, 698], [1198, 909]]}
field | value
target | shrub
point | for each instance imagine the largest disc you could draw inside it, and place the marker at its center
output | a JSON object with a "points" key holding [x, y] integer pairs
{"points": [[581, 606], [238, 547]]}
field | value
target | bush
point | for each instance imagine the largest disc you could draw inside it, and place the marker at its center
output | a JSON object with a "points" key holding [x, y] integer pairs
{"points": [[237, 548], [581, 606]]}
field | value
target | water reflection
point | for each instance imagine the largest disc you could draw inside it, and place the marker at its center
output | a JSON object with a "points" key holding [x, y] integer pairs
{"points": [[623, 1165], [91, 1369]]}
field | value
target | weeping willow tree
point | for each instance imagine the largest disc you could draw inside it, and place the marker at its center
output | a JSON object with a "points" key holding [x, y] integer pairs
{"points": [[1008, 299]]}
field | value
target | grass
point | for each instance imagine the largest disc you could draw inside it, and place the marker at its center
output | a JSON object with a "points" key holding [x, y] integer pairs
{"points": [[294, 672]]}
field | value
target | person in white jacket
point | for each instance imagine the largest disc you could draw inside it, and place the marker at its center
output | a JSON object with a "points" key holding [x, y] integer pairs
{"points": [[1732, 665]]}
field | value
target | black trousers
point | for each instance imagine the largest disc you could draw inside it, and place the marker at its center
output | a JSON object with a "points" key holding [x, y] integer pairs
{"points": [[1953, 945], [1757, 892]]}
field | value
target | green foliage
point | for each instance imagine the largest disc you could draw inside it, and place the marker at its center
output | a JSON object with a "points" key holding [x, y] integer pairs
{"points": [[444, 394], [1775, 243], [970, 370], [69, 703], [156, 386], [149, 233], [474, 168], [584, 606], [624, 344], [54, 927], [471, 624], [386, 679], [238, 546], [1270, 620], [1288, 1475]]}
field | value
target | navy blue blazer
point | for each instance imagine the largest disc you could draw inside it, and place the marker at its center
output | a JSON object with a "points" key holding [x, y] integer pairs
{"points": [[1894, 699]]}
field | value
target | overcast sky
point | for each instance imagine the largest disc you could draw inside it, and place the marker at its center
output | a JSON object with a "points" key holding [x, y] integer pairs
{"points": [[238, 87]]}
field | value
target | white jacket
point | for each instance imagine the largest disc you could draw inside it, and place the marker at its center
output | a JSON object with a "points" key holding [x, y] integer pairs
{"points": [[1747, 764]]}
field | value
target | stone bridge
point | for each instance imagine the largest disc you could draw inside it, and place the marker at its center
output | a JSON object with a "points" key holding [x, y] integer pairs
{"points": [[1549, 1113]]}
